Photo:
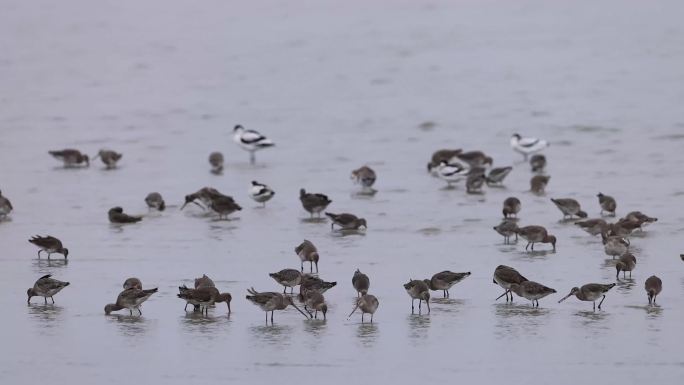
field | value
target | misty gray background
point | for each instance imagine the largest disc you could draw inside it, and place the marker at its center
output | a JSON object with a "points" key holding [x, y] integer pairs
{"points": [[337, 85]]}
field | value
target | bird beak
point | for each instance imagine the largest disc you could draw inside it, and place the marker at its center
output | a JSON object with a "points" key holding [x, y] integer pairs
{"points": [[564, 298], [300, 310], [352, 312], [505, 292]]}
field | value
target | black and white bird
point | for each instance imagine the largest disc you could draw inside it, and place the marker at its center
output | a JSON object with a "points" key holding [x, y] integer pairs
{"points": [[261, 193], [527, 146], [251, 141], [452, 172]]}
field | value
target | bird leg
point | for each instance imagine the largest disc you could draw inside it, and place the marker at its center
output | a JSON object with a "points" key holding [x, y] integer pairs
{"points": [[252, 158], [604, 297], [362, 317], [186, 306], [371, 317], [528, 245], [39, 253], [271, 317], [139, 311], [53, 300], [412, 307], [45, 298]]}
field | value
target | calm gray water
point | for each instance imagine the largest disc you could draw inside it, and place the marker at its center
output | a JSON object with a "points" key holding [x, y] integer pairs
{"points": [[338, 85]]}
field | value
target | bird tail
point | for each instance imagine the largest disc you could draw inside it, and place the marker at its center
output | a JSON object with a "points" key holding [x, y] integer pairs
{"points": [[251, 291]]}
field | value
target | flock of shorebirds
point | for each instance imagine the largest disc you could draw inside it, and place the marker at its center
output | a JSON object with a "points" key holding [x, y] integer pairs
{"points": [[452, 166]]}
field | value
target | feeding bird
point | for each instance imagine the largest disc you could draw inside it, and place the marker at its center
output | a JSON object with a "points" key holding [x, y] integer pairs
{"points": [[50, 245], [46, 287]]}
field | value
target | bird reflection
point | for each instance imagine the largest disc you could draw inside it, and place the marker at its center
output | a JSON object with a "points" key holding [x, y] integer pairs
{"points": [[199, 324], [367, 333], [314, 220], [40, 266], [277, 335], [625, 285], [419, 324], [316, 327], [129, 326], [47, 314], [519, 319]]}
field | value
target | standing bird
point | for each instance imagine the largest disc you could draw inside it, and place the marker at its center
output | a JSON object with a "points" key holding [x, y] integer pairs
{"points": [[130, 299], [527, 146], [607, 203], [361, 283], [116, 215], [270, 301], [205, 194], [569, 207], [251, 141], [440, 156], [590, 292], [497, 175], [475, 181], [507, 228], [538, 184], [5, 206], [639, 218], [313, 283], [202, 297], [307, 252], [224, 206], [108, 157], [216, 162], [451, 172], [155, 201], [593, 226], [346, 221], [531, 290], [368, 305], [132, 283], [288, 278], [627, 262], [653, 287], [260, 193], [71, 157], [315, 300], [536, 234], [204, 281], [50, 245], [418, 290], [313, 203], [475, 158], [505, 276], [365, 176], [46, 287], [614, 245], [538, 163], [445, 280], [511, 207]]}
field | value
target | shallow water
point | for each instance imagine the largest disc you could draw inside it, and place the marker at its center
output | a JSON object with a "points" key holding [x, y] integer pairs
{"points": [[383, 84]]}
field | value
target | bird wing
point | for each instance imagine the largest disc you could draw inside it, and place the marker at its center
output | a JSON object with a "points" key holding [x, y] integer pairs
{"points": [[251, 137], [528, 142]]}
